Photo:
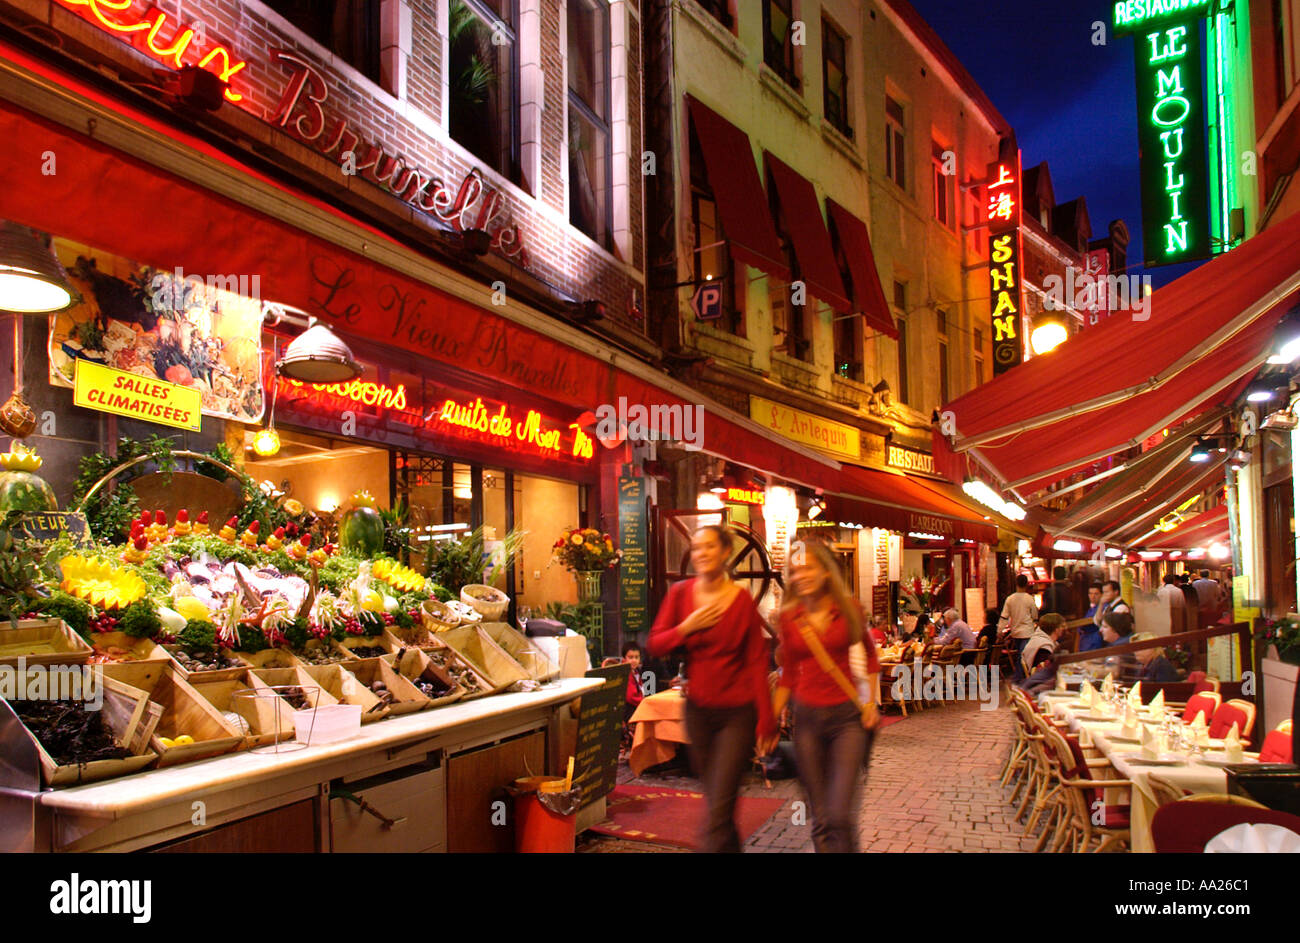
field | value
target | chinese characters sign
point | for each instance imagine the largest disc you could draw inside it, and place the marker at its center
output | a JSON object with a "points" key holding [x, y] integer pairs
{"points": [[1006, 298], [1171, 144]]}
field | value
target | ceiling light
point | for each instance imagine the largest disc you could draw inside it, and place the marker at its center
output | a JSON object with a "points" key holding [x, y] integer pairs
{"points": [[718, 486], [986, 496], [317, 355], [1218, 551], [1286, 339], [1049, 332], [1114, 553], [31, 279], [921, 536], [1151, 554], [1070, 546], [1200, 451]]}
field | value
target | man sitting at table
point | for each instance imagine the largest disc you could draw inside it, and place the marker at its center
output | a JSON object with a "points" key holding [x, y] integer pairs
{"points": [[954, 629], [1155, 666], [1038, 656]]}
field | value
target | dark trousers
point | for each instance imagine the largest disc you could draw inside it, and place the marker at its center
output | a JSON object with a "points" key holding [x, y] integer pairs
{"points": [[722, 745], [1016, 646], [829, 746]]}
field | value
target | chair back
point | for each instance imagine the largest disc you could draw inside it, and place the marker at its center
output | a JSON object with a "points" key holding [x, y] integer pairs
{"points": [[1207, 702], [1236, 711], [1164, 791], [1202, 682], [1184, 827], [1277, 747]]}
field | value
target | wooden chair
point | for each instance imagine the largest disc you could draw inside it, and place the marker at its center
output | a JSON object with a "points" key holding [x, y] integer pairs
{"points": [[1086, 797], [1236, 711], [1164, 791], [948, 656], [888, 677], [1186, 826]]}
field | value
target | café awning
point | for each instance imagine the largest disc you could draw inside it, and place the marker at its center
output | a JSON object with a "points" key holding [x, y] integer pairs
{"points": [[898, 502], [867, 292], [1195, 533], [1197, 343], [802, 216], [742, 204]]}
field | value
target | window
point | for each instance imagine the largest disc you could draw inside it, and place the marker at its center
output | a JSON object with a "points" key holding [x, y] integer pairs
{"points": [[900, 315], [347, 28], [711, 260], [483, 82], [788, 318], [590, 204], [945, 206], [941, 319], [848, 346], [719, 10], [977, 341], [835, 79], [778, 39], [895, 152]]}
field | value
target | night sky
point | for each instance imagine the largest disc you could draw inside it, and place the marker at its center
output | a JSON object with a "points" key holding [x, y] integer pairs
{"points": [[1071, 103]]}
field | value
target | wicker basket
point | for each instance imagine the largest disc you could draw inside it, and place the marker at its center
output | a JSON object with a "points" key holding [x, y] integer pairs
{"points": [[493, 608]]}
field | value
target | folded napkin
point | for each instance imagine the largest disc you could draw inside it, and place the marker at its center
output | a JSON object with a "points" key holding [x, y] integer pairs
{"points": [[1060, 681], [1096, 704], [1158, 702], [1254, 839], [1150, 746], [1232, 745], [1108, 687], [1130, 725], [1135, 695], [1200, 733], [1086, 692]]}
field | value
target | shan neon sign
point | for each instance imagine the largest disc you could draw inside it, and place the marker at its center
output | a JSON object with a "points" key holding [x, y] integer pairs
{"points": [[1002, 213], [144, 28], [477, 417]]}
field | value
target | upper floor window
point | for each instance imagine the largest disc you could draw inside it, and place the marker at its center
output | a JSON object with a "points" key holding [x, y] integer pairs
{"points": [[977, 343], [778, 39], [347, 28], [711, 262], [483, 81], [590, 205], [941, 319], [835, 79], [945, 206], [900, 316], [720, 10], [895, 143]]}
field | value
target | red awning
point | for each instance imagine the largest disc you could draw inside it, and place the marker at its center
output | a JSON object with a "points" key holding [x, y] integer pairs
{"points": [[898, 502], [802, 216], [1197, 532], [868, 293], [742, 205], [1203, 337], [120, 203]]}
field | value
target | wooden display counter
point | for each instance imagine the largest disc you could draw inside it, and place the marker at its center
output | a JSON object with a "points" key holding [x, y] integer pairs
{"points": [[429, 781]]}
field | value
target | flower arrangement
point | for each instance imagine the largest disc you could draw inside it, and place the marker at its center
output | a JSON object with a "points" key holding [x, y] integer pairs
{"points": [[921, 591], [586, 549], [1284, 633]]}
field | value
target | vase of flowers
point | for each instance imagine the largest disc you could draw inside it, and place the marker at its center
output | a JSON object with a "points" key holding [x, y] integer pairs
{"points": [[588, 553]]}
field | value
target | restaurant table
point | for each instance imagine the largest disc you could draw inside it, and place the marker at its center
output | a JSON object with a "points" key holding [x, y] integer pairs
{"points": [[660, 724], [1190, 776]]}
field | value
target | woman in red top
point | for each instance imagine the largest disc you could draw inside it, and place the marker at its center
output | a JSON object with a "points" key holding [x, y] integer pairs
{"points": [[830, 734], [728, 706]]}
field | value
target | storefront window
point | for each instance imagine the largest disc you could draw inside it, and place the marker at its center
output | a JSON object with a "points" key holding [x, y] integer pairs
{"points": [[483, 81]]}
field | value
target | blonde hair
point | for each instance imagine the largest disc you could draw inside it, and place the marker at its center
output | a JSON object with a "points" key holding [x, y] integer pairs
{"points": [[1146, 637], [835, 587]]}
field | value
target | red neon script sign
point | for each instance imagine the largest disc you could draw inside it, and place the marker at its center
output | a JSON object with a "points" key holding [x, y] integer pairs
{"points": [[143, 29], [365, 392], [476, 417]]}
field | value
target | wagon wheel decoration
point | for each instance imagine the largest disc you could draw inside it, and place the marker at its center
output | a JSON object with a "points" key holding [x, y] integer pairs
{"points": [[749, 562]]}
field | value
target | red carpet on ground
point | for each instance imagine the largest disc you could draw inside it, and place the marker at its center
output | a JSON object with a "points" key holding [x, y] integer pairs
{"points": [[673, 816]]}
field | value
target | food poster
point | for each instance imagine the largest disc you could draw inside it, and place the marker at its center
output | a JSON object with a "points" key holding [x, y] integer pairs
{"points": [[199, 332]]}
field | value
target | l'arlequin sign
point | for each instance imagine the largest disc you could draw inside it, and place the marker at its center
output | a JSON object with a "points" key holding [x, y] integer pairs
{"points": [[137, 397], [807, 429]]}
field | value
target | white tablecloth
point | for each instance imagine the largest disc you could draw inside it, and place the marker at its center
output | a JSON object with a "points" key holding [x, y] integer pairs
{"points": [[1190, 775]]}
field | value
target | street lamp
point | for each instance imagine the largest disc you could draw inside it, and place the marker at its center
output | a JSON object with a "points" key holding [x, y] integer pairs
{"points": [[1049, 332]]}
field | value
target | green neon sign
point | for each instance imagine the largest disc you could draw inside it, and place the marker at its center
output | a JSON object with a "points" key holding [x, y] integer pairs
{"points": [[1130, 16], [1172, 144]]}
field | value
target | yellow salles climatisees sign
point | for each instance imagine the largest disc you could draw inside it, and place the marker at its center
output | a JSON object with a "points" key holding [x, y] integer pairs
{"points": [[128, 394], [834, 437]]}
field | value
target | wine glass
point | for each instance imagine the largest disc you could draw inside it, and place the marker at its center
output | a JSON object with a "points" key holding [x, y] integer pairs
{"points": [[522, 615]]}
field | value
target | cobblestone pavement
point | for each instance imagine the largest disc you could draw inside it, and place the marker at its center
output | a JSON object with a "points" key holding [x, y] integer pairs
{"points": [[932, 787]]}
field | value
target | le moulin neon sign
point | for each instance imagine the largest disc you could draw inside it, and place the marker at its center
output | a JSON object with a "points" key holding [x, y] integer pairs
{"points": [[143, 24], [476, 419]]}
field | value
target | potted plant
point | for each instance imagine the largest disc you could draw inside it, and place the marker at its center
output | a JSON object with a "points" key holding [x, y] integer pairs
{"points": [[588, 553], [1280, 666]]}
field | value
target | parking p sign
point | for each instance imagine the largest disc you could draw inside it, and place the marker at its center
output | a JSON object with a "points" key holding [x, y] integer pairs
{"points": [[707, 301]]}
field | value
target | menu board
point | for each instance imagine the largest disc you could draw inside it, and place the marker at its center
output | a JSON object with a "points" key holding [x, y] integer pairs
{"points": [[600, 728], [633, 576]]}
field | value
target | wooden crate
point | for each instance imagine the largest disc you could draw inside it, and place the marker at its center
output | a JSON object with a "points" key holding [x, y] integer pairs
{"points": [[407, 698], [42, 642], [415, 637], [269, 658], [184, 711], [382, 640], [125, 710], [485, 656], [336, 654], [415, 664], [290, 677], [518, 647], [136, 649], [343, 686], [268, 719], [216, 674], [444, 656]]}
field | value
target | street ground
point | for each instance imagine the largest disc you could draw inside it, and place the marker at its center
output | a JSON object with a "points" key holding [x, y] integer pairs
{"points": [[932, 786]]}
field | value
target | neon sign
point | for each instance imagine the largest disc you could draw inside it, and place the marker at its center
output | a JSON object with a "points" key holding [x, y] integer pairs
{"points": [[477, 417], [144, 29], [1133, 15], [364, 392], [746, 495], [1002, 213], [1171, 143]]}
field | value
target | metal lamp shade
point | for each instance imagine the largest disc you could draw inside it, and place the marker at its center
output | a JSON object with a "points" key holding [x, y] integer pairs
{"points": [[318, 356], [31, 279]]}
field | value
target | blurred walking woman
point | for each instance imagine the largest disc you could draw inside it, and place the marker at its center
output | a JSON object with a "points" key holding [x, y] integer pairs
{"points": [[728, 706], [820, 623]]}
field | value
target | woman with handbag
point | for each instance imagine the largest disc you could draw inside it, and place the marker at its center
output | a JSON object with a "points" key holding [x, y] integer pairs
{"points": [[833, 719], [728, 707]]}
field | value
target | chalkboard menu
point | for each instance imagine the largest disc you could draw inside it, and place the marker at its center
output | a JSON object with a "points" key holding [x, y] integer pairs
{"points": [[45, 526], [633, 579], [600, 728]]}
